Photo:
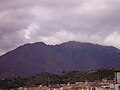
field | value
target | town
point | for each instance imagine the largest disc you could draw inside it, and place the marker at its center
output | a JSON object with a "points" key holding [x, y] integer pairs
{"points": [[103, 85]]}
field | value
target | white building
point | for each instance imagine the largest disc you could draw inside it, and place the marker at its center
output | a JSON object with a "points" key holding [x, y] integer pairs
{"points": [[117, 79]]}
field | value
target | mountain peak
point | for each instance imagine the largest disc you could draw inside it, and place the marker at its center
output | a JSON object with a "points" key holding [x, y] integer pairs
{"points": [[39, 43], [74, 44], [38, 57]]}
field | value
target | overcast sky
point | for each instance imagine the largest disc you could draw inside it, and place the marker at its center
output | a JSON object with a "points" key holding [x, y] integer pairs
{"points": [[57, 21]]}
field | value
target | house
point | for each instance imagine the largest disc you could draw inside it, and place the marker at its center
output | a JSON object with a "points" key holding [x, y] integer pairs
{"points": [[55, 87]]}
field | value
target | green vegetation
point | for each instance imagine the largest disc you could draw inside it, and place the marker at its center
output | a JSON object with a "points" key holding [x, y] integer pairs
{"points": [[49, 79]]}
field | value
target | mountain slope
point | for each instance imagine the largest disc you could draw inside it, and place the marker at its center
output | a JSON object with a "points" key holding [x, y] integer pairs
{"points": [[91, 54], [34, 58]]}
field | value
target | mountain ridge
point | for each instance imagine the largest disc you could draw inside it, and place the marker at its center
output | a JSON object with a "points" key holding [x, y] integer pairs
{"points": [[38, 57]]}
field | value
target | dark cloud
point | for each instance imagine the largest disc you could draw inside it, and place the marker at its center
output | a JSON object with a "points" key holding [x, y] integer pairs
{"points": [[56, 21]]}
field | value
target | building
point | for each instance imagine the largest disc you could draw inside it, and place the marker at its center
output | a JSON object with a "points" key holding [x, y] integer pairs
{"points": [[117, 79]]}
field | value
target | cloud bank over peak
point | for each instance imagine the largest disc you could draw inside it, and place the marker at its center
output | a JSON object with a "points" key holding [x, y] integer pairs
{"points": [[53, 22]]}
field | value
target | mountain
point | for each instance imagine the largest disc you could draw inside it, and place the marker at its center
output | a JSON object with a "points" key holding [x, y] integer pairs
{"points": [[38, 57]]}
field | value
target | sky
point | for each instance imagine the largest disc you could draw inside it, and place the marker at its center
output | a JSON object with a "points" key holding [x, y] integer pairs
{"points": [[57, 21]]}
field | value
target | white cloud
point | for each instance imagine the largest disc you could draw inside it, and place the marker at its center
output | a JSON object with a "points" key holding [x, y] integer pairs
{"points": [[31, 30], [56, 21], [113, 39], [58, 37]]}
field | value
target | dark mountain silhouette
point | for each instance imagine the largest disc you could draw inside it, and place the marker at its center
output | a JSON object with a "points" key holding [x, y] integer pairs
{"points": [[38, 57]]}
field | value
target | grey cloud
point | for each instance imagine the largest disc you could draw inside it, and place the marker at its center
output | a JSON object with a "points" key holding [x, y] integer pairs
{"points": [[56, 21]]}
